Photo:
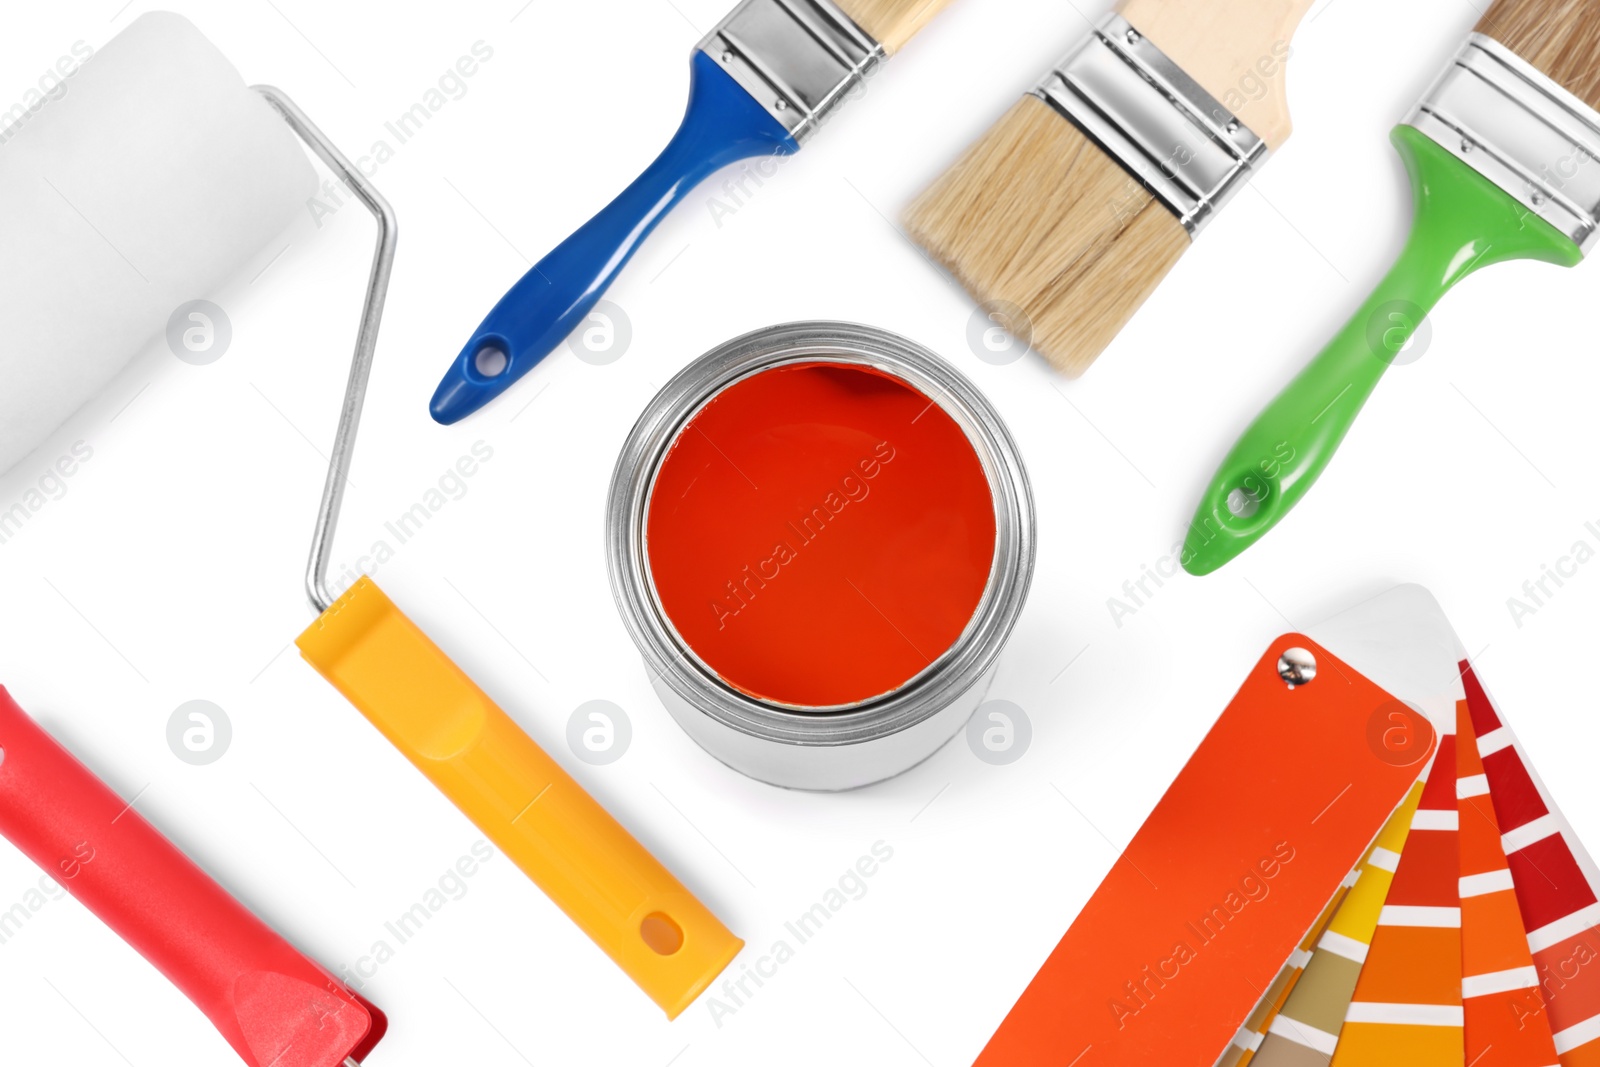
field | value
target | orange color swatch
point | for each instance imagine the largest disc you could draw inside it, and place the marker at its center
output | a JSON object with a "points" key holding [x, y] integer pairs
{"points": [[1407, 1009], [1237, 861]]}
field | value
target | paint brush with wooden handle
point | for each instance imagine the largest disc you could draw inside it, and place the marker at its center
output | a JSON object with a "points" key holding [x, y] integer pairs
{"points": [[762, 82], [1502, 158], [1066, 215]]}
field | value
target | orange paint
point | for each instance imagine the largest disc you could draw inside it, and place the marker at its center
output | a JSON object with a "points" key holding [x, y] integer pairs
{"points": [[820, 533]]}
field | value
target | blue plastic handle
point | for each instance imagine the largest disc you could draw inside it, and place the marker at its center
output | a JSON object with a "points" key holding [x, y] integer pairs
{"points": [[723, 124]]}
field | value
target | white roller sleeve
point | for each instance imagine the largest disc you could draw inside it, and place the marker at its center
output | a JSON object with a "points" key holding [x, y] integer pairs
{"points": [[155, 177]]}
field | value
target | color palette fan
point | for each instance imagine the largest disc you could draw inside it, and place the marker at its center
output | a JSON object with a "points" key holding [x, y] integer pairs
{"points": [[1466, 936], [1472, 951], [1462, 938], [1473, 957]]}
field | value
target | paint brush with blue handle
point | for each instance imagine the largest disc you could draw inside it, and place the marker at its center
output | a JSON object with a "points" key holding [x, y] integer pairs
{"points": [[760, 84]]}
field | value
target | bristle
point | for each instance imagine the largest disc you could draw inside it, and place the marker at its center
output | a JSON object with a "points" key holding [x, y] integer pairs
{"points": [[1560, 37], [1036, 215], [892, 22]]}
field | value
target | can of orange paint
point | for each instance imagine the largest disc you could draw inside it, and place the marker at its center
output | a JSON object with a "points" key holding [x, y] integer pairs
{"points": [[820, 536]]}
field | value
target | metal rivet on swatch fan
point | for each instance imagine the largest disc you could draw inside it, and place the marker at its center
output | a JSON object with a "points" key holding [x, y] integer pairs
{"points": [[1297, 666]]}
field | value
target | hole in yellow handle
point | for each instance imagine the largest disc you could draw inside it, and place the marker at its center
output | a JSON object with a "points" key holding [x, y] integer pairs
{"points": [[662, 934]]}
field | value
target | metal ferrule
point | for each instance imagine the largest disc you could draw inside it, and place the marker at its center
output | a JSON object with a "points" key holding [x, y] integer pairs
{"points": [[1172, 136], [1511, 123], [799, 58]]}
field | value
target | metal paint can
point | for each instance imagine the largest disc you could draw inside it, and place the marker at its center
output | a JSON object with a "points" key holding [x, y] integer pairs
{"points": [[839, 747]]}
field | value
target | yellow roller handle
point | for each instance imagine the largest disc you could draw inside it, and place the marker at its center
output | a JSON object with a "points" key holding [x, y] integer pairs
{"points": [[616, 891]]}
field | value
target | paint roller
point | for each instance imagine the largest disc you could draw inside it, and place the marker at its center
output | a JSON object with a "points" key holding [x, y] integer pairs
{"points": [[152, 179], [117, 247], [148, 183]]}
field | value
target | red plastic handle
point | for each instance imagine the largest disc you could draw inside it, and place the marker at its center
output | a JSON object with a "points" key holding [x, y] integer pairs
{"points": [[271, 1003]]}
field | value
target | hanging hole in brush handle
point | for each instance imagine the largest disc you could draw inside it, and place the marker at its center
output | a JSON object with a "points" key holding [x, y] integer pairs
{"points": [[1462, 224], [723, 124], [491, 360]]}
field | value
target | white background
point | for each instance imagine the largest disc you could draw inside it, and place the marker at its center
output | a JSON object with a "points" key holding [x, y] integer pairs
{"points": [[170, 570]]}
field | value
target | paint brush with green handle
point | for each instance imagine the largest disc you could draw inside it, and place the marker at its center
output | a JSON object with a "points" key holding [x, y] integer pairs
{"points": [[1502, 156]]}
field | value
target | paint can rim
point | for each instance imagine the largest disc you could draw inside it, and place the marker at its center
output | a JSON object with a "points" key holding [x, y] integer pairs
{"points": [[669, 658]]}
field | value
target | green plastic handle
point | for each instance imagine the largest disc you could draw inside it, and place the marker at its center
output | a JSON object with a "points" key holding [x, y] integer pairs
{"points": [[1463, 222]]}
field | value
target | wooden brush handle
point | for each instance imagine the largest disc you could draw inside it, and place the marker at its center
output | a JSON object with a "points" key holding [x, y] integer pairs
{"points": [[1235, 49]]}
